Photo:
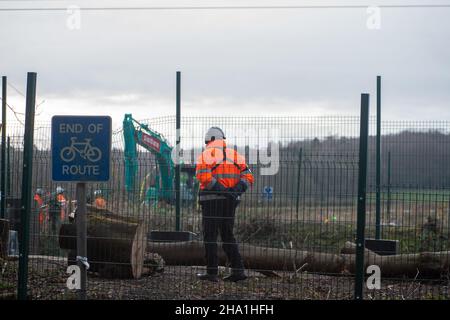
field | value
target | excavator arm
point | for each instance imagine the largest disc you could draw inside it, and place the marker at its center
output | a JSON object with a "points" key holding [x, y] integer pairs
{"points": [[136, 133]]}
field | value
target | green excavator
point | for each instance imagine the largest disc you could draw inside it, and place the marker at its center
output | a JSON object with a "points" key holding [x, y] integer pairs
{"points": [[158, 185]]}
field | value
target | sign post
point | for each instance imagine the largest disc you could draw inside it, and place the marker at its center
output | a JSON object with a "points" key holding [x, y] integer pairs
{"points": [[81, 238], [3, 157], [81, 147]]}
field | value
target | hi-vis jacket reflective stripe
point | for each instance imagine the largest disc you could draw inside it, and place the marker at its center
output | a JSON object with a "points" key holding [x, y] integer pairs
{"points": [[100, 203], [39, 204], [62, 204], [219, 164], [39, 200]]}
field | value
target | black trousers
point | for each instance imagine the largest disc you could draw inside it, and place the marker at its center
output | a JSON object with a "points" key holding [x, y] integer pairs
{"points": [[54, 216], [218, 217]]}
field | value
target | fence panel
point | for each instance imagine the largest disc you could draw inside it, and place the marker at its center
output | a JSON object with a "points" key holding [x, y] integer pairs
{"points": [[293, 235]]}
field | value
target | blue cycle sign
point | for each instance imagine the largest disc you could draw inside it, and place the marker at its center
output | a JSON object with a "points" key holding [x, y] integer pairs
{"points": [[84, 149], [267, 192], [81, 147]]}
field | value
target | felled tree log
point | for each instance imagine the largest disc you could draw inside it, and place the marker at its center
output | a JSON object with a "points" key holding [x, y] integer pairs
{"points": [[115, 244], [350, 248], [422, 265], [4, 236], [369, 256], [257, 258]]}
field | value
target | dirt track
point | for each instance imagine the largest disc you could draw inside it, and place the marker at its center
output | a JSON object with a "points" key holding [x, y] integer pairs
{"points": [[47, 280]]}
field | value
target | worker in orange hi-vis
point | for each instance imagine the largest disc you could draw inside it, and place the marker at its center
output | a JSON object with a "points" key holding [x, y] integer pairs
{"points": [[61, 202], [39, 205], [224, 176], [100, 202], [57, 209]]}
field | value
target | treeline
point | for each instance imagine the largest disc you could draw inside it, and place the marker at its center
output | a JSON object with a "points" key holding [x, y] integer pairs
{"points": [[329, 167], [326, 172]]}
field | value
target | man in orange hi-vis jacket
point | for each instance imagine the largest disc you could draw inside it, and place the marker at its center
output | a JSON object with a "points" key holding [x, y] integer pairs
{"points": [[224, 177], [100, 202], [58, 205], [39, 205], [62, 202]]}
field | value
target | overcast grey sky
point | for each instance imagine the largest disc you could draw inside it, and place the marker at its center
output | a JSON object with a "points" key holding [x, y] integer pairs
{"points": [[290, 61]]}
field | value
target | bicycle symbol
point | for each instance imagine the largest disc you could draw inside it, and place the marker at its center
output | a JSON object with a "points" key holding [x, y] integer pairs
{"points": [[84, 149]]}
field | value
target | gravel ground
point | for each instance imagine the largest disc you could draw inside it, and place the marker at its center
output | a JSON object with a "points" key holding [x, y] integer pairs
{"points": [[47, 280]]}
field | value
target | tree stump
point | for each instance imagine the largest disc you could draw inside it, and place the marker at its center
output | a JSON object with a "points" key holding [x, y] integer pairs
{"points": [[116, 244]]}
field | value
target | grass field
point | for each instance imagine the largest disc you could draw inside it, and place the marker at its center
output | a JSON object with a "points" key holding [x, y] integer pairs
{"points": [[421, 195]]}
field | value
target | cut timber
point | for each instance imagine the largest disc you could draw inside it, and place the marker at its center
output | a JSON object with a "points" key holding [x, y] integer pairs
{"points": [[4, 237], [423, 265], [115, 245], [350, 248], [256, 258], [268, 273]]}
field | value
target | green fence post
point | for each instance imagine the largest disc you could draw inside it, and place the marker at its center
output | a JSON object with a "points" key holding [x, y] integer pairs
{"points": [[27, 175], [361, 209], [388, 206], [8, 168], [81, 238], [177, 165], [3, 159], [378, 156], [298, 180]]}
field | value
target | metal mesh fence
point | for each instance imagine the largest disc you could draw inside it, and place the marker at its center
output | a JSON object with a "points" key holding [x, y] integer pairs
{"points": [[291, 225]]}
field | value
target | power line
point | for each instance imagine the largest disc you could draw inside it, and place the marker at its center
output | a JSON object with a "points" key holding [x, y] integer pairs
{"points": [[15, 113], [17, 90], [23, 95], [192, 8], [175, 0], [240, 7]]}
